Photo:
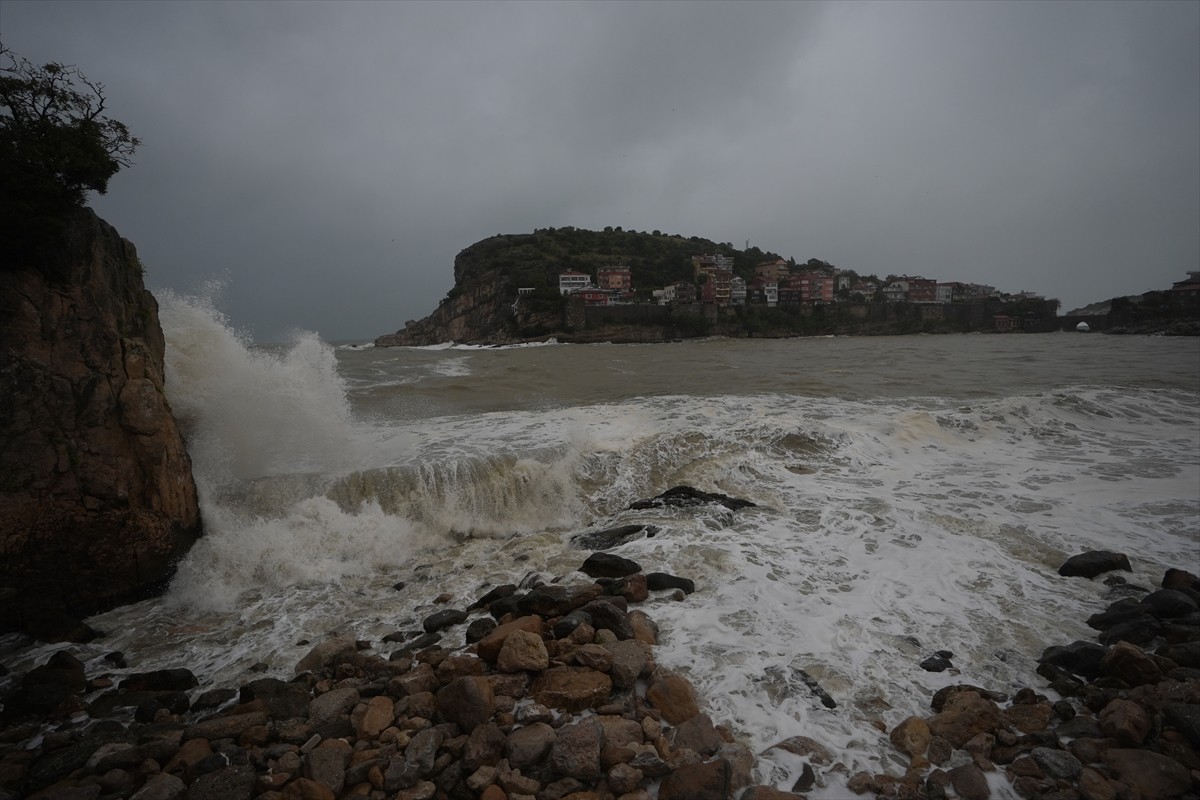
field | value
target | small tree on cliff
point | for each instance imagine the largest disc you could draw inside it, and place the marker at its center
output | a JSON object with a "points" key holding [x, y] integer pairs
{"points": [[56, 145]]}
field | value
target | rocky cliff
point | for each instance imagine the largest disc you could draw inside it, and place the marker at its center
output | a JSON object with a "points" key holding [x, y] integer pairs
{"points": [[97, 501]]}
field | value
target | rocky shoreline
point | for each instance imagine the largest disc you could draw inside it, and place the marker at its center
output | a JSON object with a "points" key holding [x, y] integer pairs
{"points": [[550, 691]]}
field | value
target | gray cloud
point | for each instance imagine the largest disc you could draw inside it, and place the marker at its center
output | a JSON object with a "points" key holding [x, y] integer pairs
{"points": [[331, 159]]}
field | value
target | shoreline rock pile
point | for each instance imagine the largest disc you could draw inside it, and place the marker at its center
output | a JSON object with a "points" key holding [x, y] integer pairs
{"points": [[1127, 726], [551, 692]]}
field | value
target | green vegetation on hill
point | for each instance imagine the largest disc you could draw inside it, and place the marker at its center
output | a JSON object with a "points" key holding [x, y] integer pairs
{"points": [[534, 260]]}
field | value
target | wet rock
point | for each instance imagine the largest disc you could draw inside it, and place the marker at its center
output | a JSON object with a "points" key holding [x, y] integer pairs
{"points": [[1057, 764], [629, 659], [489, 646], [575, 751], [1126, 721], [523, 651], [1029, 718], [687, 496], [674, 698], [1117, 613], [1093, 563], [225, 727], [1081, 658], [567, 624], [607, 565], [936, 663], [467, 701], [710, 781], [1170, 603], [230, 783], [1130, 664], [324, 652], [492, 595], [1154, 776], [969, 782], [443, 619], [1139, 631], [479, 629], [942, 696], [282, 700], [697, 734], [326, 765], [657, 581], [529, 745], [770, 793], [612, 537], [161, 787], [1180, 579], [607, 615], [911, 737], [162, 680], [805, 747], [964, 715], [333, 704], [555, 601], [571, 688], [1185, 718]]}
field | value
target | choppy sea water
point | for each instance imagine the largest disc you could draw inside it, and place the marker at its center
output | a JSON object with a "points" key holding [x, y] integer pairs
{"points": [[913, 494]]}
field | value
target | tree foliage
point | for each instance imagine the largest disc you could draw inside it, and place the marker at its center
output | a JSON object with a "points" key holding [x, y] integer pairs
{"points": [[56, 145]]}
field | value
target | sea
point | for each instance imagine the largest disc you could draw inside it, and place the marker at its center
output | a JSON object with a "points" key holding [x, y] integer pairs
{"points": [[913, 494]]}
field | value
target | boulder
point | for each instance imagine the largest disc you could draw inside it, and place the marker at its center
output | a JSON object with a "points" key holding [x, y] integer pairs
{"points": [[443, 619], [575, 752], [687, 496], [489, 647], [674, 698], [1080, 658], [607, 565], [965, 715], [528, 745], [467, 701], [523, 651], [711, 781], [911, 737], [571, 688], [656, 581], [97, 500], [612, 537], [1170, 603], [1093, 563], [1153, 775]]}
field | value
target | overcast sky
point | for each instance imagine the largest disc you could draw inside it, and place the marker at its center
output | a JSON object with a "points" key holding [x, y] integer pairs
{"points": [[327, 161]]}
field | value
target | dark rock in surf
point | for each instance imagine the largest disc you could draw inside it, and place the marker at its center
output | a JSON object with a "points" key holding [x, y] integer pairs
{"points": [[608, 615], [613, 537], [496, 593], [1140, 630], [687, 496], [1080, 658], [162, 680], [1093, 563], [662, 580], [567, 623], [606, 565], [936, 663], [1180, 579], [479, 629], [443, 619], [1121, 611], [1170, 603], [554, 601], [816, 688]]}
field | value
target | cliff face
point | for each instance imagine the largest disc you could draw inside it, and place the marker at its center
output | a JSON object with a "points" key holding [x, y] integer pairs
{"points": [[97, 501], [477, 311]]}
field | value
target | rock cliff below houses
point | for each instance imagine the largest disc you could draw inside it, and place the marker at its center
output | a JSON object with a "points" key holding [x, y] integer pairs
{"points": [[97, 500]]}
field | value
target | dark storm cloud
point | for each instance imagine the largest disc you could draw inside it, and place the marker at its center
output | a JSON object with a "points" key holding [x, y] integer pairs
{"points": [[329, 160]]}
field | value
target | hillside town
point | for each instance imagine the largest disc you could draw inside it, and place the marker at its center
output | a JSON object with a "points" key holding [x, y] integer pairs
{"points": [[776, 283]]}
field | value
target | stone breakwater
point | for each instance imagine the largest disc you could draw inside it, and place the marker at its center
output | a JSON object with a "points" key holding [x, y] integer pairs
{"points": [[551, 692]]}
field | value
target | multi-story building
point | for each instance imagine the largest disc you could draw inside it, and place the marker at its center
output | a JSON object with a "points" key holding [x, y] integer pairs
{"points": [[864, 289], [921, 290], [572, 281], [685, 292], [717, 289], [815, 287], [895, 291], [737, 291], [711, 263], [616, 278], [772, 271], [665, 295]]}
